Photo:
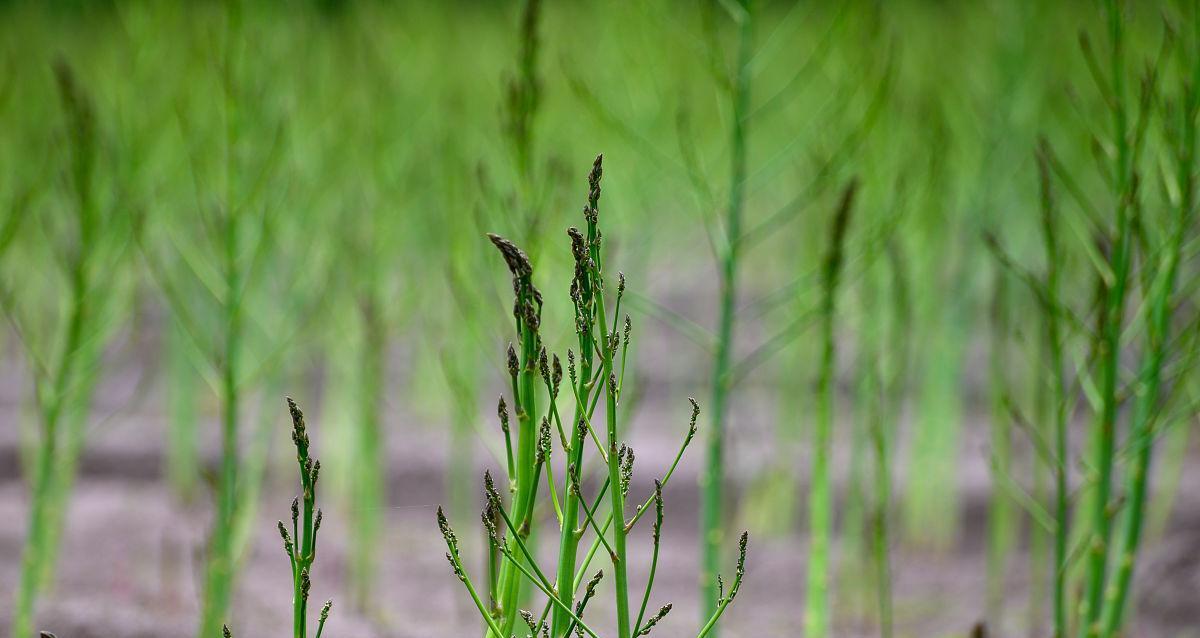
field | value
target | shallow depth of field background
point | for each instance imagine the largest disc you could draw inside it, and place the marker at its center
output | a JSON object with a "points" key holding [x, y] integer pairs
{"points": [[369, 146]]}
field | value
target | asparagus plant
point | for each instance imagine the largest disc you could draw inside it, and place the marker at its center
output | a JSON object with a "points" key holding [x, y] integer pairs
{"points": [[732, 239], [1162, 297], [712, 481], [1058, 395], [1138, 265], [816, 607], [1112, 313], [64, 353], [220, 283], [300, 544], [595, 370], [1001, 518], [889, 404]]}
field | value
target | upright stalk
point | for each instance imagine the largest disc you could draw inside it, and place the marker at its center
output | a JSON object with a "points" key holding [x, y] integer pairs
{"points": [[523, 372], [300, 544], [1000, 510], [820, 513], [877, 438], [713, 477], [219, 575], [1158, 332], [584, 297], [620, 568], [55, 401], [1041, 540], [220, 561], [886, 375], [1058, 398], [1113, 312], [370, 482], [523, 98]]}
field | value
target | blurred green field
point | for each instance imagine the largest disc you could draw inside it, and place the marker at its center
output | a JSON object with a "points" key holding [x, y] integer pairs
{"points": [[215, 204]]}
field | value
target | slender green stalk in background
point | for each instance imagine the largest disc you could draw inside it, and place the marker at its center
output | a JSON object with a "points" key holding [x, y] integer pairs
{"points": [[213, 284], [712, 479], [1002, 521], [369, 481], [219, 568], [854, 574], [820, 503], [1054, 404], [1113, 309], [1159, 329], [889, 405], [1041, 536], [523, 96], [1059, 403], [873, 406], [64, 387], [219, 579]]}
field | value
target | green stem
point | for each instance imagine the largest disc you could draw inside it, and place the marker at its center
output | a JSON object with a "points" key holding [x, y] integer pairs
{"points": [[816, 608], [1000, 510], [712, 479], [38, 556], [658, 519], [527, 316], [371, 482], [220, 561], [620, 556], [1147, 401], [1058, 398], [1110, 346]]}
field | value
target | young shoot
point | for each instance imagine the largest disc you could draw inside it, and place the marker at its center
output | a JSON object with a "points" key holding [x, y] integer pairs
{"points": [[595, 373]]}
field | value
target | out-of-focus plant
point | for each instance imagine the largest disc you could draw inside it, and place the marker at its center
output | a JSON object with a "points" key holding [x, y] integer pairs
{"points": [[80, 238]]}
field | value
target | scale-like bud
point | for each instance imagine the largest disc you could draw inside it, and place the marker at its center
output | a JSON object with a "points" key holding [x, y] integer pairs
{"points": [[287, 540], [514, 364], [625, 460], [662, 613], [695, 417], [544, 368], [544, 445], [502, 410]]}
